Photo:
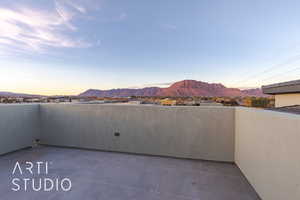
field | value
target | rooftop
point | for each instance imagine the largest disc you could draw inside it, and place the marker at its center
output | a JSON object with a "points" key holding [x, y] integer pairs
{"points": [[127, 152], [288, 109], [112, 176], [282, 88]]}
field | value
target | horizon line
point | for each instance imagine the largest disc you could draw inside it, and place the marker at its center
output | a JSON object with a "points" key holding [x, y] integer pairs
{"points": [[157, 85]]}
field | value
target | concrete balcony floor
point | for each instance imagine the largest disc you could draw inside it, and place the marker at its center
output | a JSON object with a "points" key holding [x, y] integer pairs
{"points": [[98, 175]]}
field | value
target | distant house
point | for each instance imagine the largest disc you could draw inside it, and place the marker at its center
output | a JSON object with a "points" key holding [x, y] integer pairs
{"points": [[168, 102], [286, 93], [134, 102]]}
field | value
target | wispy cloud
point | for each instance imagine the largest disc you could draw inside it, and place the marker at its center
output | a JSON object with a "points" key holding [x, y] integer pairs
{"points": [[28, 29], [67, 10], [169, 26], [161, 85], [118, 18], [123, 16]]}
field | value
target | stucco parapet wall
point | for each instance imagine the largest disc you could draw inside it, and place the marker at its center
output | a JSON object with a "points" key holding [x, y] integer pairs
{"points": [[177, 131], [267, 152], [19, 126]]}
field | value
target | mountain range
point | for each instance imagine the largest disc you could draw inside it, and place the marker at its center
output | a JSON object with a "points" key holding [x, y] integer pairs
{"points": [[11, 94], [181, 88]]}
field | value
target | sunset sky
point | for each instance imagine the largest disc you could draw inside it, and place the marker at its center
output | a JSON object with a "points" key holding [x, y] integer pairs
{"points": [[67, 46]]}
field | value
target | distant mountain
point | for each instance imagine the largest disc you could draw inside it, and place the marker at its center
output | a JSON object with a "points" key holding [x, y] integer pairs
{"points": [[254, 92], [151, 91], [181, 88], [11, 94]]}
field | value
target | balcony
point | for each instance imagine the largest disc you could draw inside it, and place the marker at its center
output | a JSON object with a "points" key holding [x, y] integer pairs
{"points": [[151, 152]]}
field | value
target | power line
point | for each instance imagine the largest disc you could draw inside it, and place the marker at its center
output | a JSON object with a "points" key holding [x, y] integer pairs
{"points": [[288, 61], [279, 74]]}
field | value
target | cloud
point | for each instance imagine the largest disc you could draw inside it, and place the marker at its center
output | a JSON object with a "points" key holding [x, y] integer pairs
{"points": [[98, 43], [161, 85], [123, 16], [27, 29], [68, 9], [118, 18], [169, 26]]}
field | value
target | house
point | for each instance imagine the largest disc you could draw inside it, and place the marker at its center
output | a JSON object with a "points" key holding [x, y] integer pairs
{"points": [[286, 93], [168, 102]]}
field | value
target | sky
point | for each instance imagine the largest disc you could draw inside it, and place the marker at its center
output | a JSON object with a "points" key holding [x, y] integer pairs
{"points": [[54, 47]]}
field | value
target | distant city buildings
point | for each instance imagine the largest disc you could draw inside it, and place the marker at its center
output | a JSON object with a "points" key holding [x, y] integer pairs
{"points": [[263, 102]]}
